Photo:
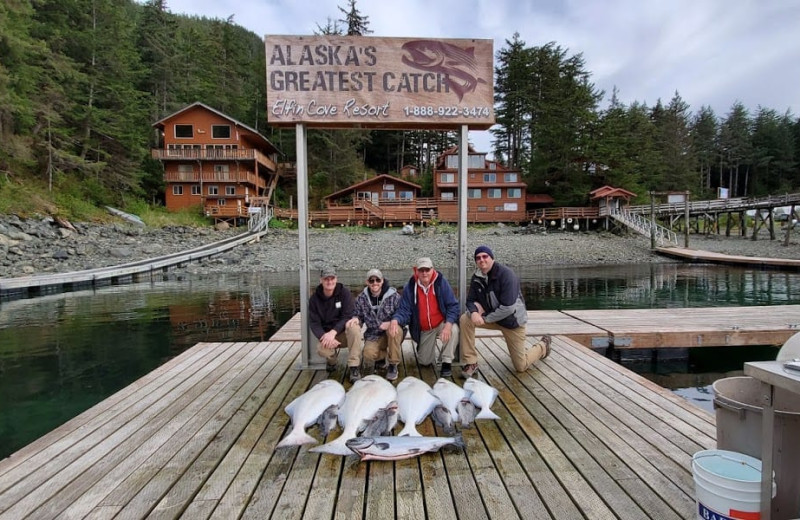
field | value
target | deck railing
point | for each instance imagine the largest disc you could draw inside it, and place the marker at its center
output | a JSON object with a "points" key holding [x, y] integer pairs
{"points": [[206, 154]]}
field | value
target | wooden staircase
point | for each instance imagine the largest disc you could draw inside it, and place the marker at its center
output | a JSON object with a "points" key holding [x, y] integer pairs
{"points": [[642, 225]]}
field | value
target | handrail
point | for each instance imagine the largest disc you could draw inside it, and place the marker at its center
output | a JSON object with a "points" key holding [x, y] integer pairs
{"points": [[646, 227], [701, 206]]}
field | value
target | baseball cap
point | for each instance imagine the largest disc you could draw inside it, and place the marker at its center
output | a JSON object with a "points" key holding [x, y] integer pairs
{"points": [[376, 273], [424, 262], [325, 272]]}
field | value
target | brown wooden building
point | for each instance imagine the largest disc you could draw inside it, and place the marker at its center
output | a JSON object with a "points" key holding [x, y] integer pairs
{"points": [[495, 193], [214, 162], [374, 201]]}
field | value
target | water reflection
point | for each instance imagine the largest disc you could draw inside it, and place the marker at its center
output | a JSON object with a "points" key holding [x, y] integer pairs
{"points": [[60, 354]]}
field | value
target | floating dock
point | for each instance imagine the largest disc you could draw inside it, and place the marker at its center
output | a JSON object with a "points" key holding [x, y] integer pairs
{"points": [[578, 437]]}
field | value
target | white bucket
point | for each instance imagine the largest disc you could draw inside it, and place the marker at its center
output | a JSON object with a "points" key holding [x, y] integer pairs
{"points": [[727, 485]]}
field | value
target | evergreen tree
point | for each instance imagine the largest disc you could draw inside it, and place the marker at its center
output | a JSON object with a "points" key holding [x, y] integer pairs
{"points": [[673, 142], [736, 149], [512, 104], [704, 137], [357, 24]]}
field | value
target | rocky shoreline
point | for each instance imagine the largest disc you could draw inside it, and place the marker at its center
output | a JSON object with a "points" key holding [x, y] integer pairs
{"points": [[41, 246]]}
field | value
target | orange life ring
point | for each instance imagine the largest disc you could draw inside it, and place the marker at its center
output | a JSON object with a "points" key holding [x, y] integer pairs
{"points": [[360, 222]]}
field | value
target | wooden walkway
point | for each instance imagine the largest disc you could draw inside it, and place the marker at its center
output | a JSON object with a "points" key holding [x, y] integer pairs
{"points": [[700, 256], [578, 437]]}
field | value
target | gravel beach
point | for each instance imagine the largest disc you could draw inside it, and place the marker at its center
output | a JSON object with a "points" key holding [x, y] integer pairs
{"points": [[39, 246]]}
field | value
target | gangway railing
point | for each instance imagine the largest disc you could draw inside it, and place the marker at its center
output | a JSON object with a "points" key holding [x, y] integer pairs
{"points": [[646, 227], [259, 218]]}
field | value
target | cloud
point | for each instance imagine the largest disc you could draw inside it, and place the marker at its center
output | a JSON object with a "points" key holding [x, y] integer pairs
{"points": [[714, 52]]}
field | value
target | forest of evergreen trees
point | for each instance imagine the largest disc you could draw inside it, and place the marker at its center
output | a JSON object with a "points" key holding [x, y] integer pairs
{"points": [[82, 82]]}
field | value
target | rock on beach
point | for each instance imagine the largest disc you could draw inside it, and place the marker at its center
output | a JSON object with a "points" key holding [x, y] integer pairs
{"points": [[40, 246]]}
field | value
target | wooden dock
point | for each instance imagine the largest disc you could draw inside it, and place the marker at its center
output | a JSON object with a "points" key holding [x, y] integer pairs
{"points": [[578, 437], [708, 257]]}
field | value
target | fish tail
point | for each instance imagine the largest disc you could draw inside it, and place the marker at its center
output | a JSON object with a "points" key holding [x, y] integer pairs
{"points": [[296, 438], [337, 447], [486, 413], [458, 440], [409, 430]]}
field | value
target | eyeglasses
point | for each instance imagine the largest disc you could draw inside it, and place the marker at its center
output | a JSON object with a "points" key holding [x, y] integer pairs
{"points": [[423, 269], [482, 257], [374, 280]]}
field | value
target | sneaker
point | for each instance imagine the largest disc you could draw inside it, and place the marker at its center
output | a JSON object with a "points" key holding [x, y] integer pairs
{"points": [[446, 371], [380, 365], [391, 372], [355, 374], [330, 367], [546, 340], [468, 370]]}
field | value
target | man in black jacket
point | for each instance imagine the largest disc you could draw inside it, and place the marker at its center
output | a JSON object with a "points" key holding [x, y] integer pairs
{"points": [[329, 310], [495, 302]]}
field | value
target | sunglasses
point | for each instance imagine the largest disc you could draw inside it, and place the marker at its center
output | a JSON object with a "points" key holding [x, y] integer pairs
{"points": [[482, 257], [424, 269], [374, 280]]}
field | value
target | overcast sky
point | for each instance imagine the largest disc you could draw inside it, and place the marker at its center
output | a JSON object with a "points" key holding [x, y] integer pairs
{"points": [[713, 52]]}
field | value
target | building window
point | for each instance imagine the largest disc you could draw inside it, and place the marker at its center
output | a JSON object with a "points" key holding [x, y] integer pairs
{"points": [[492, 165], [184, 131], [452, 161], [388, 195], [448, 195], [412, 171], [363, 195], [221, 202], [186, 168], [446, 178], [494, 193], [474, 193], [388, 187], [510, 206], [221, 131], [481, 208], [514, 193], [196, 189], [511, 177], [230, 190], [213, 190], [498, 209], [477, 161], [177, 189], [221, 172], [489, 177], [406, 195]]}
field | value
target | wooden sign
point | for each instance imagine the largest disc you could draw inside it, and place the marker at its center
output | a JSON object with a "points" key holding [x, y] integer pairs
{"points": [[359, 81]]}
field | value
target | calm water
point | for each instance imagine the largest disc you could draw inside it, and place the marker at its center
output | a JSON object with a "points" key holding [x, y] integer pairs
{"points": [[61, 354]]}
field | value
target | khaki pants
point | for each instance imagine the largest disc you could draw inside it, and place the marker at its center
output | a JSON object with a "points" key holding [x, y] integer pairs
{"points": [[386, 347], [428, 350], [352, 340], [522, 356]]}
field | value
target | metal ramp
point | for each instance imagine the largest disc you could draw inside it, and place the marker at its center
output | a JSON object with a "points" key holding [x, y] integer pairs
{"points": [[642, 225]]}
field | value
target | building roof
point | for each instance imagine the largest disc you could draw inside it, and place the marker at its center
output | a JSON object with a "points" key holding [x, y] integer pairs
{"points": [[610, 191], [539, 198], [386, 176], [267, 142]]}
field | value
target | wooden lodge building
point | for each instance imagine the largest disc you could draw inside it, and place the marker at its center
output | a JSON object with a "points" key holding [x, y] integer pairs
{"points": [[495, 193], [214, 162], [224, 167]]}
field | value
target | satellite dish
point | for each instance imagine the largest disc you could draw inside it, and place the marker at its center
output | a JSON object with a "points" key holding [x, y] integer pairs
{"points": [[790, 350]]}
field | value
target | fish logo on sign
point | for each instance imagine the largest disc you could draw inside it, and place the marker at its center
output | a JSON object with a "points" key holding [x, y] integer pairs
{"points": [[439, 57], [709, 514]]}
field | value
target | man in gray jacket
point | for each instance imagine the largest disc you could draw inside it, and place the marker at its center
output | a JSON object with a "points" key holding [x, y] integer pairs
{"points": [[495, 302]]}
